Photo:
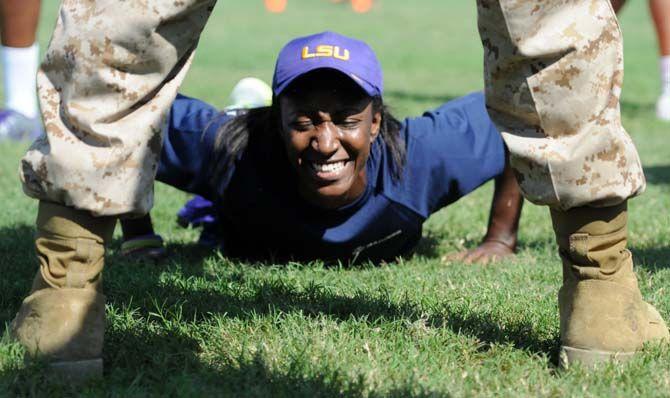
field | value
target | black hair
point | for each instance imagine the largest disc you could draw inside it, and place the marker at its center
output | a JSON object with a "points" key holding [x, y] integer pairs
{"points": [[264, 123]]}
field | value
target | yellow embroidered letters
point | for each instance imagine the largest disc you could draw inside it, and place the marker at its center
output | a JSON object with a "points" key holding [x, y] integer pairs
{"points": [[324, 50]]}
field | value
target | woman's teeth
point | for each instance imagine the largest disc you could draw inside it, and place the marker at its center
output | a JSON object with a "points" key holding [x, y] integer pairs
{"points": [[328, 167]]}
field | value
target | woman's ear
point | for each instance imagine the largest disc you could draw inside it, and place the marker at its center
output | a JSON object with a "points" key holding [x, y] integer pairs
{"points": [[376, 125]]}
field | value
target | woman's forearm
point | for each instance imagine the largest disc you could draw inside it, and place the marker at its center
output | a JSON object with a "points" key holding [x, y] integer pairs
{"points": [[505, 210], [136, 227]]}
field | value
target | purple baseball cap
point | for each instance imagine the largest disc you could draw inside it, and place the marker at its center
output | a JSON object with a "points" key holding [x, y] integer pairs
{"points": [[328, 50]]}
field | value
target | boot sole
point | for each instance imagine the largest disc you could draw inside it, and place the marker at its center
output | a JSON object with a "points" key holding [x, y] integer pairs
{"points": [[589, 358], [78, 371]]}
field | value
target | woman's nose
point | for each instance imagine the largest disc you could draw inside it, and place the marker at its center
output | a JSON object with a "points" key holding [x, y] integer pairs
{"points": [[326, 141]]}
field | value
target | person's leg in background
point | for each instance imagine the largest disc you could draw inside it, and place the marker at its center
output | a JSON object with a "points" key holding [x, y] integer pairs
{"points": [[617, 5], [19, 55], [105, 88], [660, 13], [553, 74]]}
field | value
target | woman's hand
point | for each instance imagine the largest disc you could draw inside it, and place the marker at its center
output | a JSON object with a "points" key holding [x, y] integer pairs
{"points": [[487, 252], [501, 234], [140, 242]]}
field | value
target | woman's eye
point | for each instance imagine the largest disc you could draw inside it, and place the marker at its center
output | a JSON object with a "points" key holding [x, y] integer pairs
{"points": [[301, 125], [349, 124]]}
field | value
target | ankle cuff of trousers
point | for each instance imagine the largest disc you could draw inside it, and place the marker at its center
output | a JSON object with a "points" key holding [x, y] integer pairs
{"points": [[66, 222]]}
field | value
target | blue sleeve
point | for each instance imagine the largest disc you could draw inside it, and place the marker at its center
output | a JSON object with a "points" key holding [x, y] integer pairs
{"points": [[187, 145], [451, 151]]}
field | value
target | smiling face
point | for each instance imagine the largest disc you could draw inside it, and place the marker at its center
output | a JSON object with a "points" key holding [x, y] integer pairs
{"points": [[328, 126]]}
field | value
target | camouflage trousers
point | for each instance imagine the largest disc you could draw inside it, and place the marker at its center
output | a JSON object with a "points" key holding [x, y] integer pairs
{"points": [[553, 69], [553, 77]]}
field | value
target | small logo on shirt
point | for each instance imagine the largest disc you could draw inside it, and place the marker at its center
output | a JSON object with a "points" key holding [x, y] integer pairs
{"points": [[357, 251], [324, 50]]}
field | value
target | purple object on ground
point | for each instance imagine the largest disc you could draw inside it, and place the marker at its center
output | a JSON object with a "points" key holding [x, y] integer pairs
{"points": [[200, 212], [14, 126], [197, 212]]}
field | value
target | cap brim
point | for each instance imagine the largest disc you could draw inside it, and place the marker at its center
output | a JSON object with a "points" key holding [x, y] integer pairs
{"points": [[368, 88]]}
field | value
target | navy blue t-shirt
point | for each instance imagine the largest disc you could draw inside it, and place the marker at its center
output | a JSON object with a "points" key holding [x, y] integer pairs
{"points": [[451, 151]]}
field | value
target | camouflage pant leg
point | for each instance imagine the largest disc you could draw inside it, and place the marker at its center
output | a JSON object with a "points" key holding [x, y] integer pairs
{"points": [[553, 71], [110, 74]]}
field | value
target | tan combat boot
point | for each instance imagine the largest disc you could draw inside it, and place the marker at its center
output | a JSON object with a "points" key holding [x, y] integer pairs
{"points": [[63, 318], [602, 313]]}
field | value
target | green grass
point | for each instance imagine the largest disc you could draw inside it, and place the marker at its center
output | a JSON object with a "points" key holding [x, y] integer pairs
{"points": [[203, 324]]}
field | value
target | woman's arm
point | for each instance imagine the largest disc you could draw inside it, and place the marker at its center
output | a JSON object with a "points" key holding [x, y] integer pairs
{"points": [[453, 150], [140, 241], [187, 145], [184, 155], [501, 236]]}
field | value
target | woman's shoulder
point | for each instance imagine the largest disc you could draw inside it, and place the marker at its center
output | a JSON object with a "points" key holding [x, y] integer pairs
{"points": [[451, 115], [447, 148]]}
